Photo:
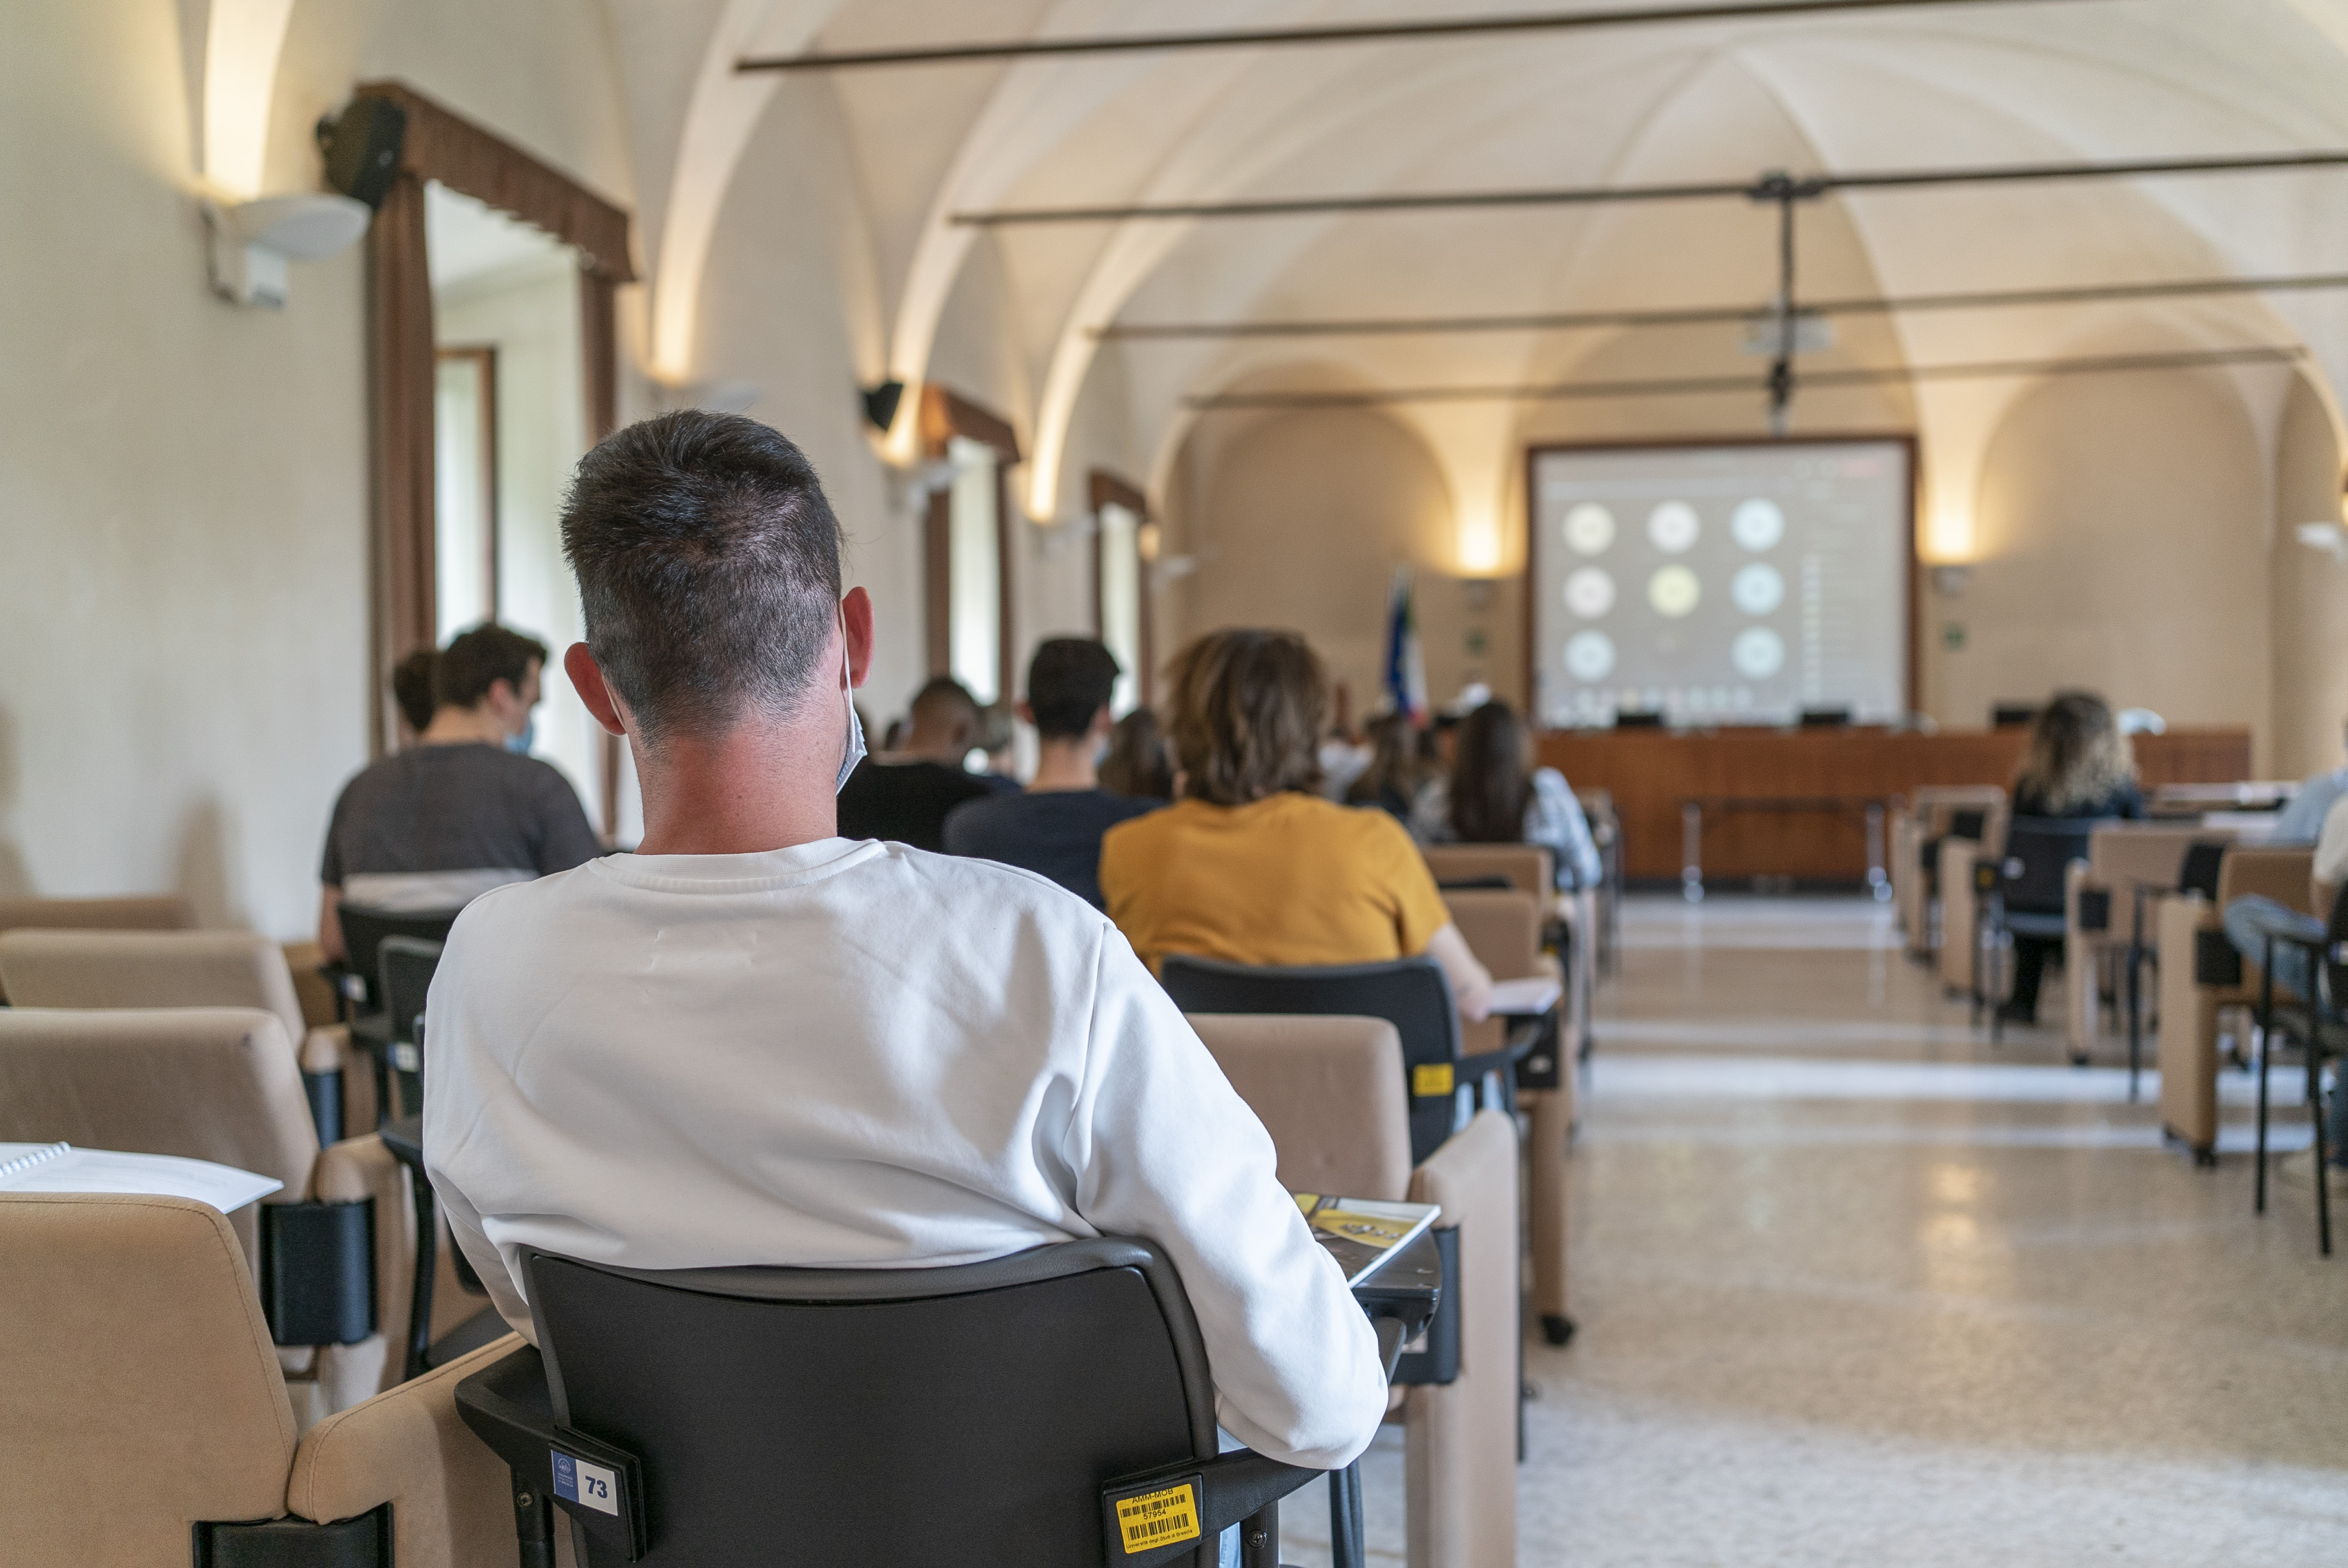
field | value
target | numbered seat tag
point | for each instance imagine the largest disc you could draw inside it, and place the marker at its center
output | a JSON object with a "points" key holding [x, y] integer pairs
{"points": [[587, 1484]]}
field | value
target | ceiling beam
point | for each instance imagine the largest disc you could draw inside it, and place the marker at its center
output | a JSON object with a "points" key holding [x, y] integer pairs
{"points": [[1775, 187], [1357, 32], [1681, 387], [1714, 316]]}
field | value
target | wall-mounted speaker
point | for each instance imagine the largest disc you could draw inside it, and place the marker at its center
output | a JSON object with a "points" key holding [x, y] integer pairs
{"points": [[362, 149]]}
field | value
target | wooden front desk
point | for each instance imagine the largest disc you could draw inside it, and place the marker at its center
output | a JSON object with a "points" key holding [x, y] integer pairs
{"points": [[1736, 774]]}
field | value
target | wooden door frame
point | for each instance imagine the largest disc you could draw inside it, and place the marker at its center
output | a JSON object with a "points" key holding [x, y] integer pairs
{"points": [[439, 144], [1112, 489], [945, 414]]}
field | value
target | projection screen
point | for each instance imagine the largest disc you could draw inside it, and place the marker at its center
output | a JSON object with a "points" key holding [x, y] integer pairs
{"points": [[1721, 584]]}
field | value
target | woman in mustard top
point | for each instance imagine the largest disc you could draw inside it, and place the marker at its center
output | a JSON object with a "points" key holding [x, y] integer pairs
{"points": [[1250, 866]]}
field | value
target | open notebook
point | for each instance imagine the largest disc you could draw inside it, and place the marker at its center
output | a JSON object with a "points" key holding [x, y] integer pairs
{"points": [[1526, 998], [1361, 1233], [62, 1168]]}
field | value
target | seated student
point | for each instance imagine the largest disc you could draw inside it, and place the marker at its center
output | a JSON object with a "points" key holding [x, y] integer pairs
{"points": [[411, 689], [2078, 765], [1138, 763], [1251, 865], [463, 810], [2241, 919], [1055, 828], [1398, 767], [998, 737], [1496, 796], [756, 1043], [2302, 821], [904, 795]]}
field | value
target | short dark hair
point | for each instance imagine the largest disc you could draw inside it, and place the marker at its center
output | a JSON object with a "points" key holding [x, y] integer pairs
{"points": [[411, 688], [1069, 680], [943, 699], [708, 568], [477, 660], [1248, 712]]}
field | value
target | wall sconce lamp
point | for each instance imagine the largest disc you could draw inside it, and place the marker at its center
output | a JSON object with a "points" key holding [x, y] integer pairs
{"points": [[880, 403]]}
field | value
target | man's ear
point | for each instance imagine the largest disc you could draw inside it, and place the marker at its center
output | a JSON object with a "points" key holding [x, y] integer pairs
{"points": [[587, 680], [856, 617], [1102, 723], [1027, 712]]}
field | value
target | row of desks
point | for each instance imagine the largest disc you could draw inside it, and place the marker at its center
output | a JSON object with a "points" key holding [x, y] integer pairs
{"points": [[1793, 802]]}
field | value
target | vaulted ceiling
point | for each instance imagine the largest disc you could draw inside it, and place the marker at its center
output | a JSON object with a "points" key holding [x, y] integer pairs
{"points": [[1953, 84]]}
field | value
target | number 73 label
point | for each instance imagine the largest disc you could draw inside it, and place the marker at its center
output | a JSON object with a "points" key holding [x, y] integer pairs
{"points": [[588, 1486]]}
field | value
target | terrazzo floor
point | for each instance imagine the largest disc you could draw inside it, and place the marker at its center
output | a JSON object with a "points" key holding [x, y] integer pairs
{"points": [[1855, 1288]]}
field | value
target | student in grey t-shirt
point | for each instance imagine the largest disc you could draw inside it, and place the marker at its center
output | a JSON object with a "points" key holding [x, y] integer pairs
{"points": [[459, 812]]}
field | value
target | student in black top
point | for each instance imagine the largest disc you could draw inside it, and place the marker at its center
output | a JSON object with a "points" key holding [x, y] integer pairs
{"points": [[2078, 766], [1055, 828], [465, 809], [905, 794]]}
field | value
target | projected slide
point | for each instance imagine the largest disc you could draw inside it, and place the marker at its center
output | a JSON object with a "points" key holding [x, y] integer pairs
{"points": [[1721, 584]]}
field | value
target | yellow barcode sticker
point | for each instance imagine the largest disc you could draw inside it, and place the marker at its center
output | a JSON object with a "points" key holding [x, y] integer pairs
{"points": [[1429, 1079], [1157, 1519]]}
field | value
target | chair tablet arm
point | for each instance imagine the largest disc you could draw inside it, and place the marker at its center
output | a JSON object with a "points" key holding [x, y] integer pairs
{"points": [[507, 1406], [1159, 1515], [1522, 1040]]}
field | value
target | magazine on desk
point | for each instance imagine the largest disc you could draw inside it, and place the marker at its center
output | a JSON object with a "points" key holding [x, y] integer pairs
{"points": [[62, 1168], [1361, 1233]]}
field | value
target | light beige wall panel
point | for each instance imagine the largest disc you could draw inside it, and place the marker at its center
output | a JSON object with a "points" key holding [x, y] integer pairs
{"points": [[2311, 594], [2123, 547], [1301, 523]]}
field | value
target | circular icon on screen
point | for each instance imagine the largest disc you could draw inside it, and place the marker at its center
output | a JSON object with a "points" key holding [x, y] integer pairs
{"points": [[1590, 593], [1758, 654], [1758, 588], [1588, 528], [1758, 524], [1589, 656], [1672, 526], [1673, 590]]}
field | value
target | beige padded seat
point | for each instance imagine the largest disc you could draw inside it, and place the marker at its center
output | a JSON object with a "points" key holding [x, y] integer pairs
{"points": [[157, 913], [1503, 930], [213, 1084], [142, 1397], [1329, 1091], [182, 968], [2189, 1009], [2121, 858], [1931, 811]]}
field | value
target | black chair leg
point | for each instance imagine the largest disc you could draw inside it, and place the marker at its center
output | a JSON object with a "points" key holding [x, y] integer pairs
{"points": [[1259, 1539], [2322, 1164], [2266, 1042], [1347, 1549], [420, 1295]]}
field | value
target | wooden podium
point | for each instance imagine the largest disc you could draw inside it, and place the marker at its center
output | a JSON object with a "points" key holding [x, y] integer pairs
{"points": [[1794, 803]]}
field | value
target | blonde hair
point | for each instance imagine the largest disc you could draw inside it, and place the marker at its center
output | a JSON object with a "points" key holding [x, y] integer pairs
{"points": [[2077, 755], [1247, 713]]}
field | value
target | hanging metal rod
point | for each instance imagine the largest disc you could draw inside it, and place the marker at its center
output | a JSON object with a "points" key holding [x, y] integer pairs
{"points": [[1359, 33], [1715, 316], [1677, 386], [1770, 188]]}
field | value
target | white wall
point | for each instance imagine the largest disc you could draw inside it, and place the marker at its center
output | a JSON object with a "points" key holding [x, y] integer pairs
{"points": [[182, 511], [183, 503]]}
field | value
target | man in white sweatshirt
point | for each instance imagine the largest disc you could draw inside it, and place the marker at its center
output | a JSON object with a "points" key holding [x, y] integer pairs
{"points": [[756, 1043]]}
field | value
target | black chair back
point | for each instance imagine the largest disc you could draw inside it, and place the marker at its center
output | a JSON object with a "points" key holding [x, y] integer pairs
{"points": [[2199, 874], [967, 1415], [365, 929], [406, 965], [1412, 994], [2038, 853], [1973, 824]]}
